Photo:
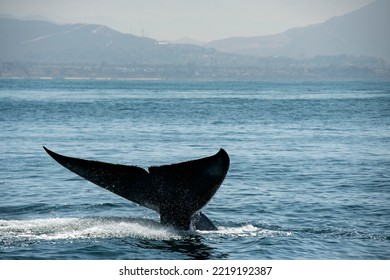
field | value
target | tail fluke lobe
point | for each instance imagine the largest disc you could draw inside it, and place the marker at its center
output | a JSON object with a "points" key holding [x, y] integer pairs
{"points": [[125, 181], [196, 180]]}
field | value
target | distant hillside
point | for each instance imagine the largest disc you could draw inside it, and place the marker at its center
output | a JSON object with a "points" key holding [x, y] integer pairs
{"points": [[362, 32], [40, 49], [41, 41]]}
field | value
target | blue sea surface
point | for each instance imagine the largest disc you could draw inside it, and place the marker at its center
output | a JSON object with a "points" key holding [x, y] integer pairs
{"points": [[309, 176]]}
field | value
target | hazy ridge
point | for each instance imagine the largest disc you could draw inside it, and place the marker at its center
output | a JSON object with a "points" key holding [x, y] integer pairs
{"points": [[361, 32], [355, 46]]}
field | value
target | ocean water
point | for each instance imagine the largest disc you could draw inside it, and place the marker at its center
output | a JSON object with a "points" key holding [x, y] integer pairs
{"points": [[309, 175]]}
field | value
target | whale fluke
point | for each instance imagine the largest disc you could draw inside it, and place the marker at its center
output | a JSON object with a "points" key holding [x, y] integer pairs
{"points": [[177, 191]]}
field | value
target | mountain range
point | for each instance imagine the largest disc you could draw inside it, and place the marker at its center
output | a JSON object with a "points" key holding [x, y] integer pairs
{"points": [[353, 46], [42, 41], [362, 32]]}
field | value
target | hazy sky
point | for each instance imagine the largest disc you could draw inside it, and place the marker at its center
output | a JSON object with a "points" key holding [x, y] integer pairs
{"points": [[203, 20]]}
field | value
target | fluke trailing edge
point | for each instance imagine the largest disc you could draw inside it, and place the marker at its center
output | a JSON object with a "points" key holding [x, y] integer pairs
{"points": [[178, 191]]}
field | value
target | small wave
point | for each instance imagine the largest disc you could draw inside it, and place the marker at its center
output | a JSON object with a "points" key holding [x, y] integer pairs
{"points": [[83, 228], [42, 208], [339, 233]]}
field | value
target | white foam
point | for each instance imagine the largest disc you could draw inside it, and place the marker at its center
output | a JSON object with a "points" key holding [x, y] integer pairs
{"points": [[83, 228], [251, 231], [95, 228]]}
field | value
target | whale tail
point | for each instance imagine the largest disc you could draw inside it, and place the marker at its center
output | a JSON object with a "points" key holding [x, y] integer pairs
{"points": [[178, 191]]}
